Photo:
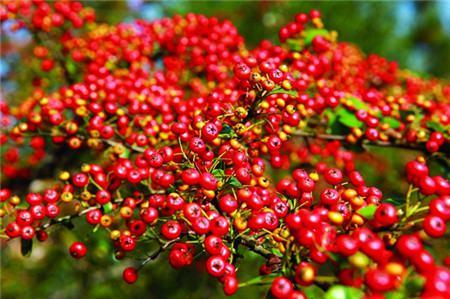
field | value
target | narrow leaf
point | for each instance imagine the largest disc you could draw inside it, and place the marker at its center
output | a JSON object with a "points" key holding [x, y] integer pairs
{"points": [[234, 182], [392, 122], [26, 247], [367, 211], [349, 119], [312, 33]]}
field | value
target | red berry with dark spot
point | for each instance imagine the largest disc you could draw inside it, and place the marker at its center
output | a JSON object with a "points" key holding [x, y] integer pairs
{"points": [[77, 250], [215, 266], [434, 226]]}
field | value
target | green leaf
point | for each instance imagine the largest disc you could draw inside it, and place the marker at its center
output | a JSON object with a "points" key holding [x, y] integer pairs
{"points": [[393, 201], [26, 247], [234, 182], [108, 208], [392, 122], [414, 284], [312, 33], [276, 252], [435, 126], [227, 132], [126, 153], [343, 292], [334, 125], [334, 256], [438, 127], [348, 119], [367, 211], [282, 90], [313, 291], [294, 45], [218, 173], [358, 104], [331, 115], [411, 287], [71, 67], [395, 295]]}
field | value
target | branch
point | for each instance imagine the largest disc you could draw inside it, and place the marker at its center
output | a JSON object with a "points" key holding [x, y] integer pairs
{"points": [[65, 219], [154, 255], [57, 55], [251, 244], [252, 109], [419, 146]]}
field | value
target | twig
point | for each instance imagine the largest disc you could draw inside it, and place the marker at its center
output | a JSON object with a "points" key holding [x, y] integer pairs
{"points": [[154, 255], [418, 146], [66, 218], [251, 244]]}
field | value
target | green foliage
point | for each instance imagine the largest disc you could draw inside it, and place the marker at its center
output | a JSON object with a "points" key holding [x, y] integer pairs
{"points": [[368, 211], [227, 132], [343, 292]]}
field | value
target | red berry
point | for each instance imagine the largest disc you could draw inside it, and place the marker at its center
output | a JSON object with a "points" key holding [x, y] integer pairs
{"points": [[409, 245], [130, 275], [208, 181], [378, 280], [434, 226], [386, 214], [427, 185], [333, 176], [201, 225], [213, 244], [329, 196], [230, 285], [171, 230], [190, 176], [242, 71], [13, 230], [423, 261], [77, 250], [306, 184], [228, 204], [346, 245], [215, 266], [282, 288], [28, 232], [127, 243]]}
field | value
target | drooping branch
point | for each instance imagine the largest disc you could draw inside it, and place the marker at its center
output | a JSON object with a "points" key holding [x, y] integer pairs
{"points": [[66, 219], [331, 137], [155, 255]]}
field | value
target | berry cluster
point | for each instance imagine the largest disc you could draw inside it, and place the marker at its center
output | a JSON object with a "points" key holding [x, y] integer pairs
{"points": [[206, 148]]}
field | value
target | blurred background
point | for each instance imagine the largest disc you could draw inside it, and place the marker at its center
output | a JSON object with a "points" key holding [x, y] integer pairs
{"points": [[416, 34]]}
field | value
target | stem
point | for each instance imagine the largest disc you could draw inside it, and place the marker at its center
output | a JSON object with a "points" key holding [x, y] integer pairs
{"points": [[416, 221], [94, 183], [325, 279], [318, 136], [251, 244], [132, 147], [418, 146], [66, 218], [252, 109], [408, 200], [259, 280], [182, 150], [155, 254], [423, 209]]}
